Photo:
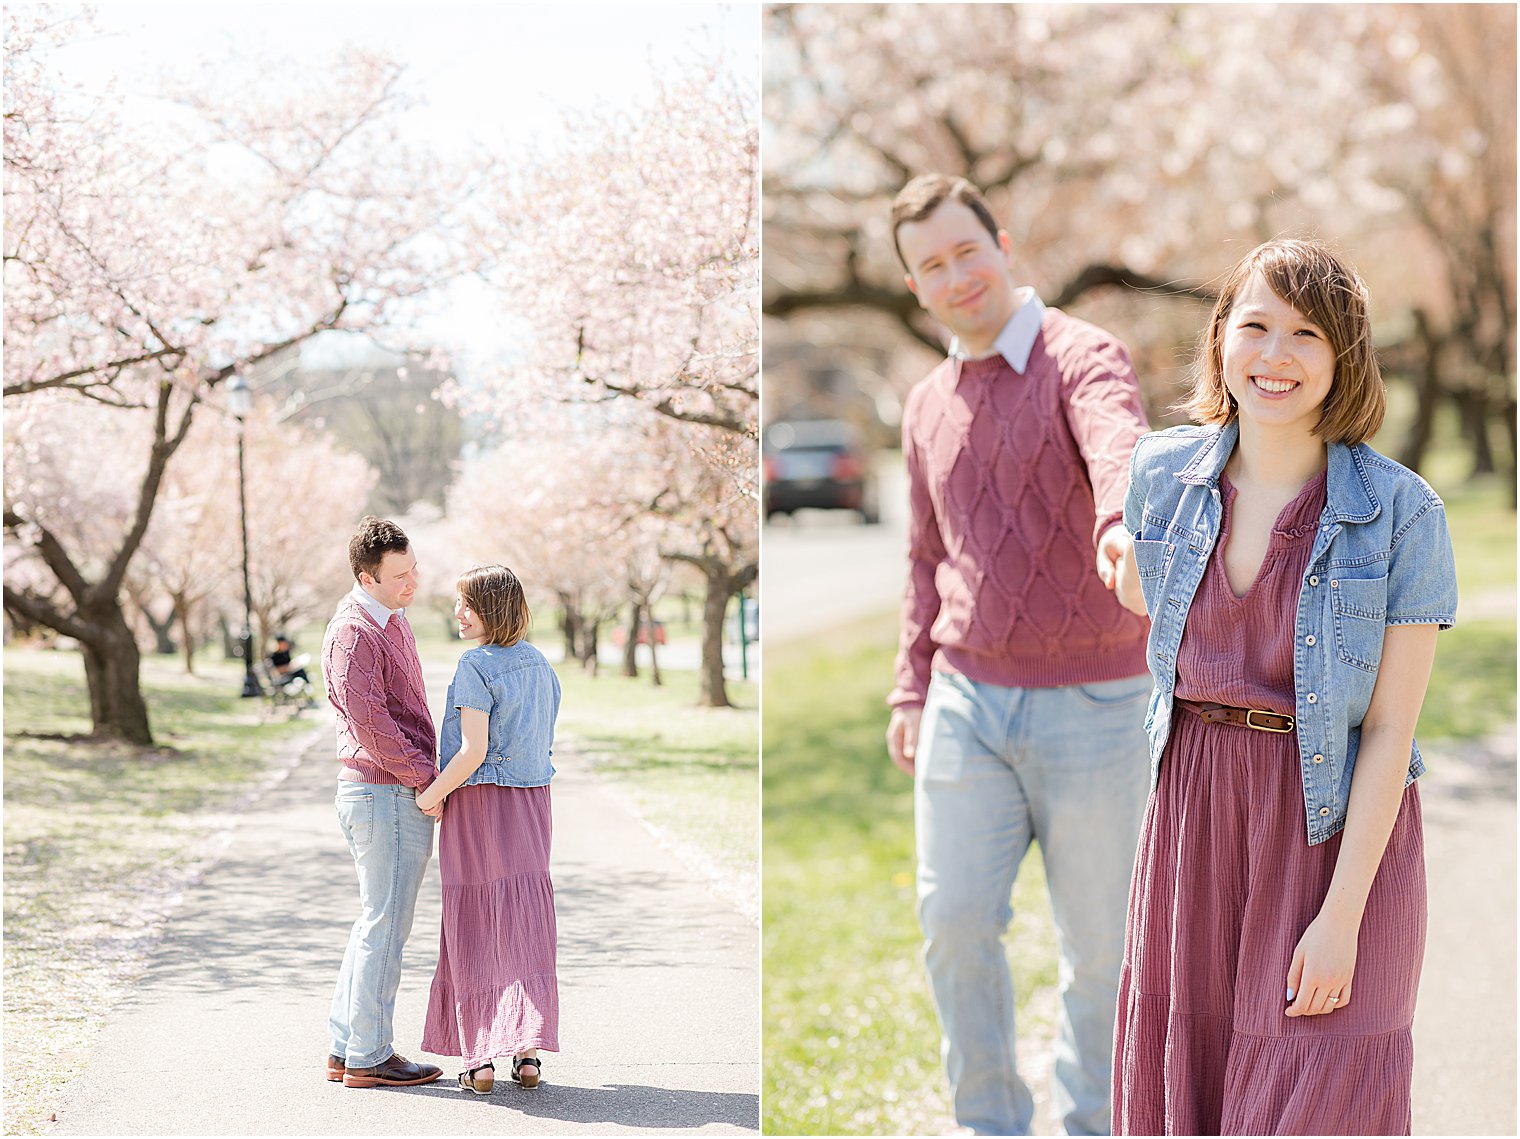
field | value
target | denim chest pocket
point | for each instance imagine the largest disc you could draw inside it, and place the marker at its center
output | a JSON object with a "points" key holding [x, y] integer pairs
{"points": [[1152, 557], [1359, 607]]}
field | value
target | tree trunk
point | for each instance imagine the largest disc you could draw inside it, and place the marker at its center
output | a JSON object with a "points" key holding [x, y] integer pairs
{"points": [[570, 626], [1474, 410], [1417, 441], [1512, 475], [590, 635], [111, 662], [720, 587], [182, 613], [163, 642], [631, 642], [654, 649]]}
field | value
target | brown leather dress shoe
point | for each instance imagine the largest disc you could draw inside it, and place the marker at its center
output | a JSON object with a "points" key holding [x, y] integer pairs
{"points": [[395, 1072], [335, 1068]]}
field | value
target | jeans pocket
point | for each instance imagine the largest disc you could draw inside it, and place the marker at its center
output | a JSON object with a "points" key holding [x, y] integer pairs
{"points": [[1115, 693], [947, 734], [356, 812]]}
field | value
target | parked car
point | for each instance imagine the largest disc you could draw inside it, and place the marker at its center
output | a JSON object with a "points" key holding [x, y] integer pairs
{"points": [[817, 464], [620, 634]]}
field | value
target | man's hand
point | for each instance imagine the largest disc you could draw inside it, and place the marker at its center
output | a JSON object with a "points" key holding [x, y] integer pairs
{"points": [[902, 736]]}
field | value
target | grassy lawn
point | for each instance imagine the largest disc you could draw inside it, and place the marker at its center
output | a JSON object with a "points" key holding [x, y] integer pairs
{"points": [[97, 838], [850, 1033], [1472, 690], [690, 771]]}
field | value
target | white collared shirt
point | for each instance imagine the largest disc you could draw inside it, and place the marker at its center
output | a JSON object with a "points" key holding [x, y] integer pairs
{"points": [[380, 613], [1016, 341]]}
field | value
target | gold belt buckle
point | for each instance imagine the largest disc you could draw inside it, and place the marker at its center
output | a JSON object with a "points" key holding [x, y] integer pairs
{"points": [[1263, 727]]}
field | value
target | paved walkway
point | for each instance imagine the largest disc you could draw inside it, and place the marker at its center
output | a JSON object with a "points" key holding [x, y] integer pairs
{"points": [[226, 1034], [1464, 1024]]}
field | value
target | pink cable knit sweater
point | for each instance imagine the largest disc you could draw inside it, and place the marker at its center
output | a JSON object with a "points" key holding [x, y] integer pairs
{"points": [[1012, 478], [374, 680]]}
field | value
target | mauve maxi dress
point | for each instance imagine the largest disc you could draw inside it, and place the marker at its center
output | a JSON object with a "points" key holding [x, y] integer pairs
{"points": [[1225, 884], [495, 992]]}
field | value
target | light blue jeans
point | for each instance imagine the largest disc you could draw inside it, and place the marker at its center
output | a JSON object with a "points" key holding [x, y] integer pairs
{"points": [[391, 841], [996, 769]]}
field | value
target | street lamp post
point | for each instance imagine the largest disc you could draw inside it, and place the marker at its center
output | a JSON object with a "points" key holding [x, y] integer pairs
{"points": [[239, 402]]}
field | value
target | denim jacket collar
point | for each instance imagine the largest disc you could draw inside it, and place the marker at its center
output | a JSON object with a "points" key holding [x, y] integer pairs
{"points": [[1349, 493]]}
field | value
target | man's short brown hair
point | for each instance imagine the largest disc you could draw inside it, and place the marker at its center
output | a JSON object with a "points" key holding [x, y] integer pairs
{"points": [[494, 594], [926, 193], [374, 538], [1327, 291]]}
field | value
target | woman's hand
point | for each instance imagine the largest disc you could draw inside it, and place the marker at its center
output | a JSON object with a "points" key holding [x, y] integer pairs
{"points": [[1116, 568], [430, 803], [1323, 962]]}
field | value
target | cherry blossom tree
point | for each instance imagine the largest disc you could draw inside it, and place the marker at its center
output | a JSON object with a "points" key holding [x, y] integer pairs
{"points": [[1134, 152], [632, 256], [526, 506], [190, 552], [633, 253], [149, 260], [304, 494]]}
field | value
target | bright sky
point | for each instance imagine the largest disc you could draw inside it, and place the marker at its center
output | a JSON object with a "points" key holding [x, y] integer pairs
{"points": [[498, 70], [495, 73]]}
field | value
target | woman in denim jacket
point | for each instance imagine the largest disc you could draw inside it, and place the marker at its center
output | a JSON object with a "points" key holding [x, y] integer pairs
{"points": [[1295, 581], [495, 991]]}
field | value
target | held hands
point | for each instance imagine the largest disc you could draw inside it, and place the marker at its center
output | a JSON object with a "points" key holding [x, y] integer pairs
{"points": [[1319, 978], [431, 803], [1116, 568], [902, 737]]}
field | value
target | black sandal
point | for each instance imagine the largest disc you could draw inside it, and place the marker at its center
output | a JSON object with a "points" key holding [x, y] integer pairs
{"points": [[480, 1085], [526, 1079]]}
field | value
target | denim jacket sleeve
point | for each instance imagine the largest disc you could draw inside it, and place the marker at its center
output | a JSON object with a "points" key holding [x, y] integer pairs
{"points": [[1422, 572], [470, 689]]}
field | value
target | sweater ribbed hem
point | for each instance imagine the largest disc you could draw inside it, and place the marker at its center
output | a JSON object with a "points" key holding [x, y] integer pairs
{"points": [[1114, 662], [368, 775]]}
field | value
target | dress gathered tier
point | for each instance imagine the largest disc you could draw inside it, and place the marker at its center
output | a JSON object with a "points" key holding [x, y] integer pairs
{"points": [[495, 992]]}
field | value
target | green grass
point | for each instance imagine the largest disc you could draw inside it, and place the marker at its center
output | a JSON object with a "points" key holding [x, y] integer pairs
{"points": [[851, 1041], [1472, 688], [97, 835], [689, 770]]}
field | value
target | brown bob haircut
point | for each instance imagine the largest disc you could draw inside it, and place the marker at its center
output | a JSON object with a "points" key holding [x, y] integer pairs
{"points": [[926, 193], [1326, 290], [494, 594], [374, 538]]}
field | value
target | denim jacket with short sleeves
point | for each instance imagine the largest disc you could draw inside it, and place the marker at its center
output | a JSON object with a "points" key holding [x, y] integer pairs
{"points": [[1382, 556], [516, 685]]}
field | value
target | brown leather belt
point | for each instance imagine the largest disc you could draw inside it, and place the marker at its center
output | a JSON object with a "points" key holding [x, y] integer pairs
{"points": [[1255, 718]]}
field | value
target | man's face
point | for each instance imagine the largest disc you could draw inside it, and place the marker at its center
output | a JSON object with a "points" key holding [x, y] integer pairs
{"points": [[395, 583], [962, 277]]}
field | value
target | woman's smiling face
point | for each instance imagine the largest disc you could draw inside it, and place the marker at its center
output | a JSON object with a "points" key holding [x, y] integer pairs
{"points": [[1277, 363], [470, 627]]}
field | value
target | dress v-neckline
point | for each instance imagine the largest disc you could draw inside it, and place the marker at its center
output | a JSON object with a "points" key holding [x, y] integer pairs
{"points": [[1275, 538]]}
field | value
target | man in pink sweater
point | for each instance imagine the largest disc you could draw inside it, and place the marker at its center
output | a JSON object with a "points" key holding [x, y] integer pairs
{"points": [[387, 746], [1021, 682]]}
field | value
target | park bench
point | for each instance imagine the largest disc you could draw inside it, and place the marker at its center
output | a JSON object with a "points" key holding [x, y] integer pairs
{"points": [[290, 698]]}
